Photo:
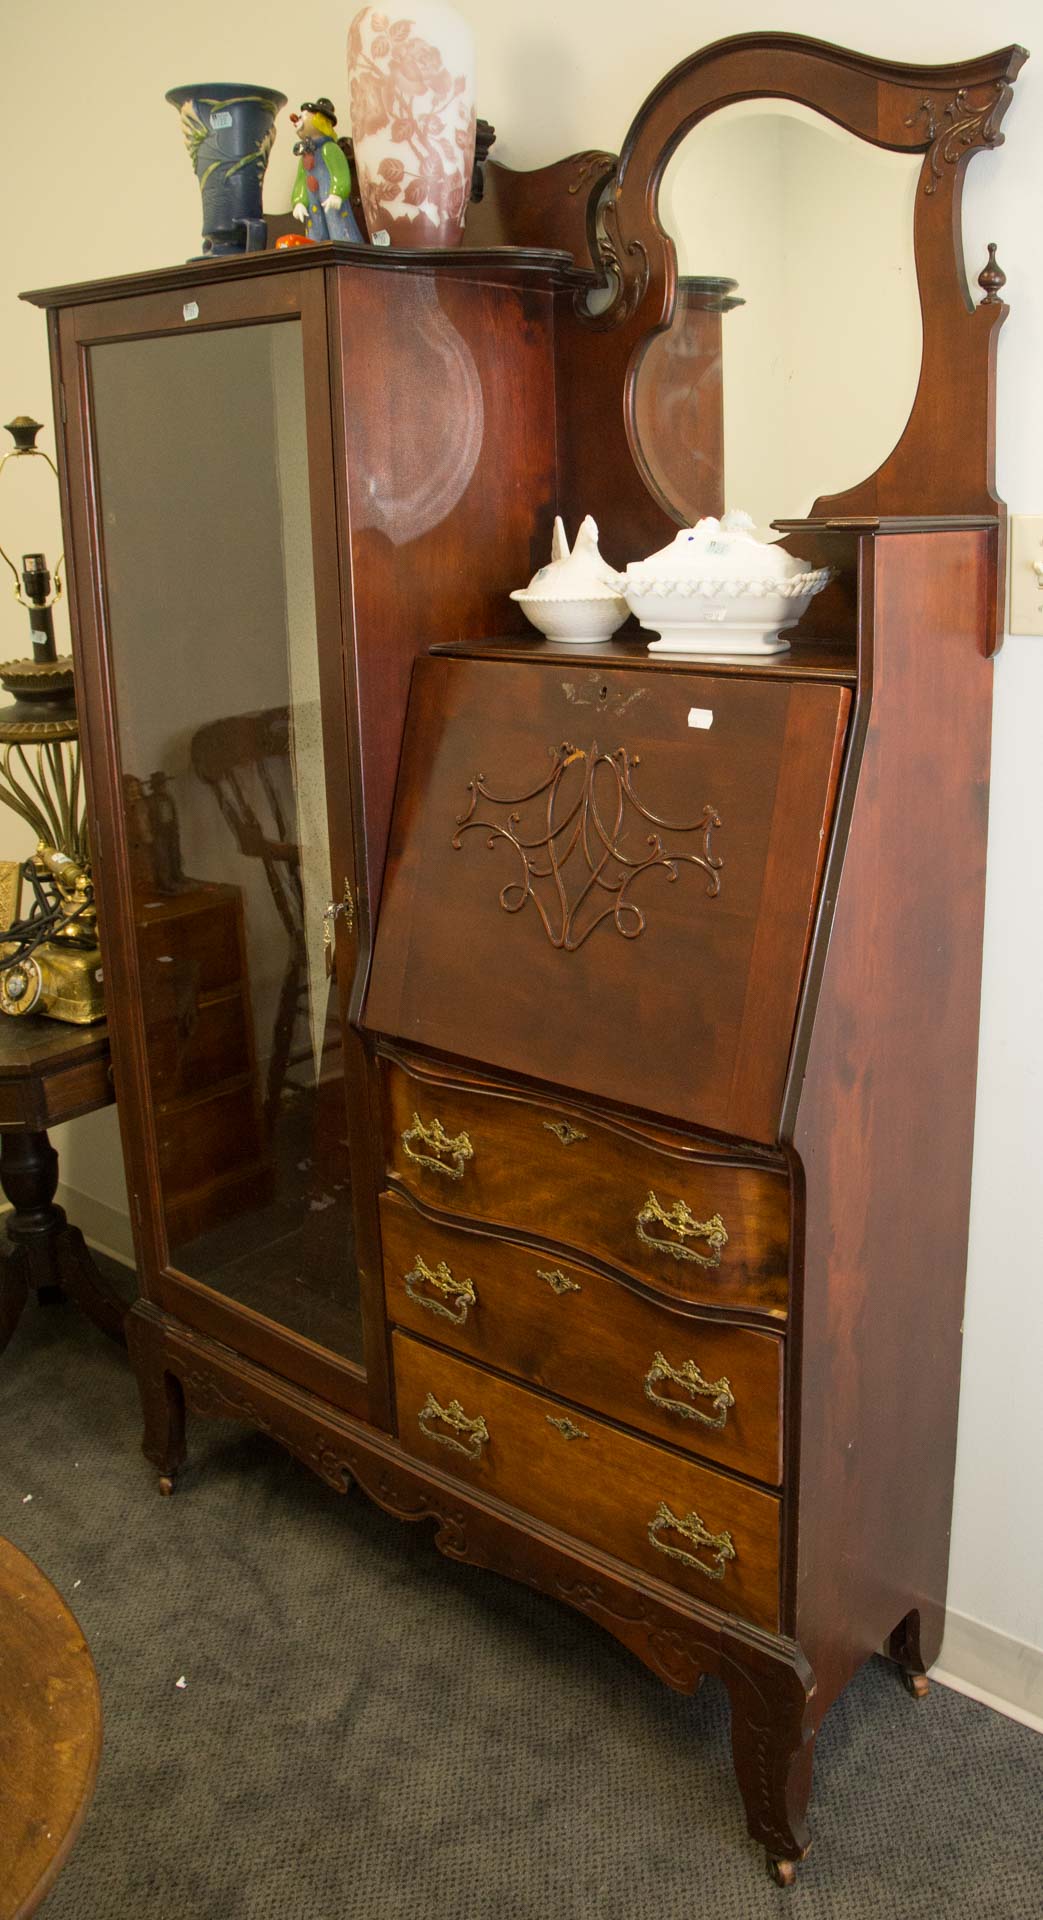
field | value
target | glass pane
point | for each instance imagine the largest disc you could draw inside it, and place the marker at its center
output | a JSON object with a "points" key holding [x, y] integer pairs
{"points": [[202, 460]]}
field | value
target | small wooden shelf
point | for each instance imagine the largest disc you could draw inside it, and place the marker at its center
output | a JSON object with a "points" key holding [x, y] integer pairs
{"points": [[832, 660]]}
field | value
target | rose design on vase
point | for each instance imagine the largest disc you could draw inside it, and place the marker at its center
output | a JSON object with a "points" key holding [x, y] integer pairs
{"points": [[413, 122]]}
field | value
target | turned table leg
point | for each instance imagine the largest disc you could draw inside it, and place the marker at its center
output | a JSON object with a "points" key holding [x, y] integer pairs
{"points": [[14, 1292], [43, 1251]]}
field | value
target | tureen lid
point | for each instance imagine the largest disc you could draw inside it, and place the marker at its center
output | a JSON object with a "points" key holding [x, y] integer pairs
{"points": [[726, 549]]}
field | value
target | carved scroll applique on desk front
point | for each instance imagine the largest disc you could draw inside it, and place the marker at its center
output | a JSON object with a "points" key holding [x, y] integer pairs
{"points": [[580, 829]]}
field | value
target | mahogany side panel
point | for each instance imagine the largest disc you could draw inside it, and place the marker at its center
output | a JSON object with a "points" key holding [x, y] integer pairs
{"points": [[884, 1122], [446, 472]]}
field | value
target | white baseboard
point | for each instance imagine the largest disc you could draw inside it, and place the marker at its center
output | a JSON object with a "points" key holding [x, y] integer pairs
{"points": [[105, 1228], [989, 1666]]}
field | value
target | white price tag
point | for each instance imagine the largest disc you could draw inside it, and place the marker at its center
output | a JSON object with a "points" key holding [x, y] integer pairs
{"points": [[700, 717]]}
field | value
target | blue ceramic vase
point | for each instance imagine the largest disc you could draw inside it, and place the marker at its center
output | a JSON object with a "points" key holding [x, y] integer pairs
{"points": [[229, 131]]}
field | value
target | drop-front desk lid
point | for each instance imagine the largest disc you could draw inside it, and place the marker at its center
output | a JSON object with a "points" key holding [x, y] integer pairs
{"points": [[607, 879]]}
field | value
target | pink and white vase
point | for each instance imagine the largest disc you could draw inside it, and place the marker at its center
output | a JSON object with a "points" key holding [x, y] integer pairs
{"points": [[413, 122]]}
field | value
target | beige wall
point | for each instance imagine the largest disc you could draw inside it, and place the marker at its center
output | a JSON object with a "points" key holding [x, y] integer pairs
{"points": [[96, 182]]}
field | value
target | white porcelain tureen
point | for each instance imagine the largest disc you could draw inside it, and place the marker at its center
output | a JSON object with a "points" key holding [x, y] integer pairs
{"points": [[577, 597], [718, 589]]}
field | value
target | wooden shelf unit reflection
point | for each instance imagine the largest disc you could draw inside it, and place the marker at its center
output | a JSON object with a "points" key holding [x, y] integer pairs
{"points": [[666, 1024]]}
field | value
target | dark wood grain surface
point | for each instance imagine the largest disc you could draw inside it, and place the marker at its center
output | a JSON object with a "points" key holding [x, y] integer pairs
{"points": [[603, 1485], [885, 1120], [564, 1326], [50, 1733], [689, 991], [588, 1191], [51, 1072], [791, 1050]]}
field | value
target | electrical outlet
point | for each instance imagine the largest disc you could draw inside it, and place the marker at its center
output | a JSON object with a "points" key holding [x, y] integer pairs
{"points": [[1026, 573]]}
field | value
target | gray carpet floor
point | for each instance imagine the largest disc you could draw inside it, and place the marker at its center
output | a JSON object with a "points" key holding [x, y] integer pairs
{"points": [[367, 1730]]}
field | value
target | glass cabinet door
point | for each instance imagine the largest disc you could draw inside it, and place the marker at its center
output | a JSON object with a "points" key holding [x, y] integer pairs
{"points": [[202, 467]]}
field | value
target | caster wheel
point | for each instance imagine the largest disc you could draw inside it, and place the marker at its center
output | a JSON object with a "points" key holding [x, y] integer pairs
{"points": [[916, 1684], [783, 1872], [166, 1485]]}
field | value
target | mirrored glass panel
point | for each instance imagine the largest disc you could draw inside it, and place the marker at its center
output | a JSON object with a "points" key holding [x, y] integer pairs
{"points": [[202, 462], [791, 364]]}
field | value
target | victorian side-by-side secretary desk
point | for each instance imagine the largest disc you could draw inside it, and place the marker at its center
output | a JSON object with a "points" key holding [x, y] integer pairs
{"points": [[544, 1108]]}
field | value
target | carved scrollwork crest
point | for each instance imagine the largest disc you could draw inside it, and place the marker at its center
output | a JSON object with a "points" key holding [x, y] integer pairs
{"points": [[958, 126], [578, 820], [625, 265]]}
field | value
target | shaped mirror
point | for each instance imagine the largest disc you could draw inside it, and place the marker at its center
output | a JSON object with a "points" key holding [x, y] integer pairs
{"points": [[791, 363]]}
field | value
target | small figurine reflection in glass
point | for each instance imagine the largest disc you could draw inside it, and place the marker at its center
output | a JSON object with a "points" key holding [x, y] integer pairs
{"points": [[322, 190]]}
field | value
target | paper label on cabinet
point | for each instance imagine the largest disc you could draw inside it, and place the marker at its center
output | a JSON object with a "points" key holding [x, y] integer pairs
{"points": [[700, 717]]}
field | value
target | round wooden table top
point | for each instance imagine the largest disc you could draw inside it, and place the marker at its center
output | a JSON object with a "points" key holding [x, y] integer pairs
{"points": [[50, 1733]]}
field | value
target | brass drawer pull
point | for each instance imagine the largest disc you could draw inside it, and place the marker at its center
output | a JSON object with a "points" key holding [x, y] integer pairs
{"points": [[567, 1428], [435, 1136], [338, 910], [692, 1380], [462, 1291], [565, 1131], [558, 1280], [692, 1528], [682, 1221], [455, 1417]]}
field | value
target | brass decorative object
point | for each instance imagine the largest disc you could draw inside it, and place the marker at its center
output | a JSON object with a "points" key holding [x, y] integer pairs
{"points": [[692, 1380], [52, 964], [682, 1221], [589, 817], [567, 1428], [462, 1291], [338, 910], [691, 1528], [558, 1280], [10, 892], [435, 1136], [567, 1134], [454, 1417]]}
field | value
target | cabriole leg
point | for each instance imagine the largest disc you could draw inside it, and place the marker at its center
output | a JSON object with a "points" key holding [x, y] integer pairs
{"points": [[773, 1751], [915, 1645], [162, 1400]]}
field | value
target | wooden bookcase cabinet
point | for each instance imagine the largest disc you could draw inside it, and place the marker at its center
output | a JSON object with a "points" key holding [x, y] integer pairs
{"points": [[658, 1197]]}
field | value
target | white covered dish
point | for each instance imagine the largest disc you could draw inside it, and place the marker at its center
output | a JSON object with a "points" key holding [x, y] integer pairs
{"points": [[577, 597], [718, 589]]}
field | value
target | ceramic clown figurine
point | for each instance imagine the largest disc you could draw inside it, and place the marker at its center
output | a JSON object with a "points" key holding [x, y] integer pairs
{"points": [[320, 197]]}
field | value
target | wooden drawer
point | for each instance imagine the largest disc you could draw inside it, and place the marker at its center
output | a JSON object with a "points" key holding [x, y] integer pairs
{"points": [[712, 1536], [197, 935], [594, 1186], [566, 1327]]}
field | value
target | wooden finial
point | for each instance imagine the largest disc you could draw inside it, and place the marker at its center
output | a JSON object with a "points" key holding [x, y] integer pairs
{"points": [[991, 279]]}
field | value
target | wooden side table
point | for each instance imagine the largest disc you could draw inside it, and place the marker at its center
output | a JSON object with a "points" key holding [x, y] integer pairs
{"points": [[50, 1733], [48, 1073]]}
